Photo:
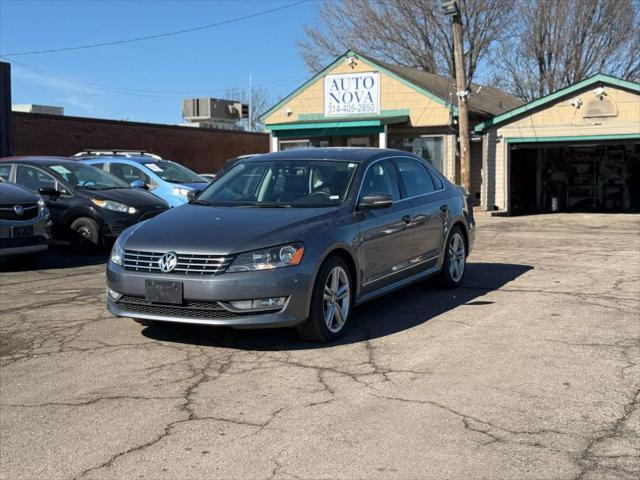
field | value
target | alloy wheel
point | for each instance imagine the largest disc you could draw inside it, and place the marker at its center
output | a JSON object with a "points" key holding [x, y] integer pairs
{"points": [[457, 257], [337, 299]]}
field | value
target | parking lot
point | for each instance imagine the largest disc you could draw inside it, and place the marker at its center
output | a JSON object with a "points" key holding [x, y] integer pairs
{"points": [[531, 370]]}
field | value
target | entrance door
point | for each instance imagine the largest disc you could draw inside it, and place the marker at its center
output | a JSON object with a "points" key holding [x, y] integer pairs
{"points": [[358, 142]]}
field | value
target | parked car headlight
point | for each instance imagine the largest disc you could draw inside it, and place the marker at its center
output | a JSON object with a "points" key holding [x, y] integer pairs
{"points": [[117, 252], [268, 258], [115, 206], [180, 192], [41, 203]]}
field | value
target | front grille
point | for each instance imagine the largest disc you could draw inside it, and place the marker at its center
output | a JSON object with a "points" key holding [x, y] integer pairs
{"points": [[189, 309], [188, 264], [7, 211]]}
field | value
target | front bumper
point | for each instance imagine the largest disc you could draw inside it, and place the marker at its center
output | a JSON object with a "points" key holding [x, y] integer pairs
{"points": [[116, 222], [38, 242], [292, 282]]}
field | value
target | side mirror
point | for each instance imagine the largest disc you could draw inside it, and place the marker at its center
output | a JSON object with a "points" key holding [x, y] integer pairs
{"points": [[375, 200], [193, 194], [49, 191], [139, 184]]}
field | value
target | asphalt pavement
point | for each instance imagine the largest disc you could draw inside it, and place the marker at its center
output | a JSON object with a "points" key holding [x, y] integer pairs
{"points": [[530, 371]]}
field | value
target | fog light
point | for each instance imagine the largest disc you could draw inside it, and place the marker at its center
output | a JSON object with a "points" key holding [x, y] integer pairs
{"points": [[113, 295], [258, 304]]}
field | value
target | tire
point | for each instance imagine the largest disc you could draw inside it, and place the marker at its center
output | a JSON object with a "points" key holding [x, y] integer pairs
{"points": [[85, 234], [323, 326], [452, 272]]}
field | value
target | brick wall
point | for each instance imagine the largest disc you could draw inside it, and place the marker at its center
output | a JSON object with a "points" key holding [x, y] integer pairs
{"points": [[202, 150]]}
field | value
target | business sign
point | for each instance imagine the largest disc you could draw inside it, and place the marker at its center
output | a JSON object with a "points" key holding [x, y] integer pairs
{"points": [[352, 93]]}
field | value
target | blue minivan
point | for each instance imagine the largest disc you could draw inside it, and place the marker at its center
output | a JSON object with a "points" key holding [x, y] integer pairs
{"points": [[164, 178]]}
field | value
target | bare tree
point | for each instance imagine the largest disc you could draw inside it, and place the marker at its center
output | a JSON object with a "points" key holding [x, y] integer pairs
{"points": [[555, 43], [260, 103], [413, 33]]}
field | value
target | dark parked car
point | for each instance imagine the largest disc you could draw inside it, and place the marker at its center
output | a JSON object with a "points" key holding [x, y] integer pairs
{"points": [[24, 221], [295, 238], [87, 205]]}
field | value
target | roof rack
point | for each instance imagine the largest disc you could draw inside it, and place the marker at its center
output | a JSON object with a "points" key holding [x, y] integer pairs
{"points": [[116, 153]]}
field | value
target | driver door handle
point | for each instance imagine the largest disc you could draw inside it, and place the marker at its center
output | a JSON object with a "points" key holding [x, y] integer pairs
{"points": [[444, 208]]}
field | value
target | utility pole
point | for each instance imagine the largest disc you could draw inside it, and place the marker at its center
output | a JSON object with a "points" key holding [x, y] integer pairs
{"points": [[452, 9]]}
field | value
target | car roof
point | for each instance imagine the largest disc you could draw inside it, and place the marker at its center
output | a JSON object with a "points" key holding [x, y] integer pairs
{"points": [[122, 158], [40, 160], [352, 154]]}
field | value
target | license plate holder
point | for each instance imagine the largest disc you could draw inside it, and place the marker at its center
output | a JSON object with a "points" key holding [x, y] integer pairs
{"points": [[163, 291], [21, 232]]}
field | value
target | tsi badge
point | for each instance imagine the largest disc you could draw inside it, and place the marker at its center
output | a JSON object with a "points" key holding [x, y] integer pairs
{"points": [[168, 261]]}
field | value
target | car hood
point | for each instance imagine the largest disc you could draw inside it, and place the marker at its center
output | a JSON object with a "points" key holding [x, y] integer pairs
{"points": [[224, 230], [134, 197], [11, 193]]}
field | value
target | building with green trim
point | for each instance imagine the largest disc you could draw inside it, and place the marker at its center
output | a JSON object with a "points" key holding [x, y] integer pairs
{"points": [[576, 149], [361, 101]]}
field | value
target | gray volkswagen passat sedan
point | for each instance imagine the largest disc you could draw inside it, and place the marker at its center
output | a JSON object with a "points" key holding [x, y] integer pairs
{"points": [[295, 238]]}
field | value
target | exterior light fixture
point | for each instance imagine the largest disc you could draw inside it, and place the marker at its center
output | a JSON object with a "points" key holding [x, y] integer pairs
{"points": [[599, 92], [351, 61], [576, 102], [450, 8]]}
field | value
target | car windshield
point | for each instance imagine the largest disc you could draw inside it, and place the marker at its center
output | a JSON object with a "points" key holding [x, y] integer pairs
{"points": [[297, 183], [174, 172], [86, 176]]}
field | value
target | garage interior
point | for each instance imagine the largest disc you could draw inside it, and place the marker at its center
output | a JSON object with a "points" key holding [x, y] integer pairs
{"points": [[580, 177]]}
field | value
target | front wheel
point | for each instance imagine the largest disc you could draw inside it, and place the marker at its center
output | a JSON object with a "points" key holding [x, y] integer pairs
{"points": [[331, 303], [85, 234], [455, 258]]}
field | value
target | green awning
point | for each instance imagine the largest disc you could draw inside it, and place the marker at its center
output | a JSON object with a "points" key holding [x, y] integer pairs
{"points": [[325, 128]]}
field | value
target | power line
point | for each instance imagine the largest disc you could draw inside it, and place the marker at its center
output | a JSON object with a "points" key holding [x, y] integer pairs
{"points": [[155, 93], [158, 35]]}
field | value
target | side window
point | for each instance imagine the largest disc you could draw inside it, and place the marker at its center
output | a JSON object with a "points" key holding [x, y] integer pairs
{"points": [[414, 176], [98, 165], [437, 181], [128, 173], [380, 178], [33, 179], [5, 171]]}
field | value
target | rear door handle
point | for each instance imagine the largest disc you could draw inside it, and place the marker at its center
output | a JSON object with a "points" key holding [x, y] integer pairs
{"points": [[407, 219], [444, 208]]}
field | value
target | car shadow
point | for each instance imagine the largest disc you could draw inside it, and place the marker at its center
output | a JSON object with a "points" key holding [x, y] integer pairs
{"points": [[58, 256], [399, 311]]}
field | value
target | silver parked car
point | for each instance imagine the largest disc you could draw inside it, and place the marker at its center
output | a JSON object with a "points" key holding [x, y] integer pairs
{"points": [[295, 238], [25, 225]]}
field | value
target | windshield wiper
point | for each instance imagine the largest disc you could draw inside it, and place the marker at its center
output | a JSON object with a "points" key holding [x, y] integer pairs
{"points": [[200, 202], [269, 205]]}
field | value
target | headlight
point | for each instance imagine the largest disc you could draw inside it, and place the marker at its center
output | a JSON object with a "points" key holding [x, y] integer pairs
{"points": [[115, 206], [117, 252], [275, 257], [41, 203], [180, 192]]}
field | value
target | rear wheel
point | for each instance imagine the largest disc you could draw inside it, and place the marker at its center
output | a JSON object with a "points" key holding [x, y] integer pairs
{"points": [[455, 259], [331, 303], [86, 234]]}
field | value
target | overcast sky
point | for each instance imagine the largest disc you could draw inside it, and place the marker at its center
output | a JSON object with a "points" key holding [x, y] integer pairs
{"points": [[145, 80]]}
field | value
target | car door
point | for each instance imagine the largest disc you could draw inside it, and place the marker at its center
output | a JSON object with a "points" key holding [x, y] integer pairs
{"points": [[386, 237], [33, 179], [429, 208]]}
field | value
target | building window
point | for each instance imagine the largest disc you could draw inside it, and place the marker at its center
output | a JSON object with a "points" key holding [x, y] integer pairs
{"points": [[294, 144], [428, 147]]}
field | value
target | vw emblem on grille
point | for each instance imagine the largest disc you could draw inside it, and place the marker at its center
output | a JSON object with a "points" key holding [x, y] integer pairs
{"points": [[168, 261], [19, 209]]}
